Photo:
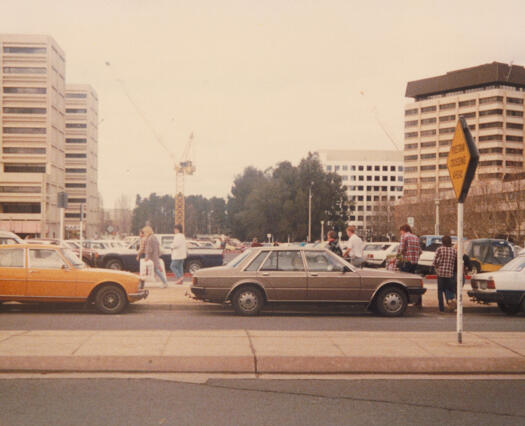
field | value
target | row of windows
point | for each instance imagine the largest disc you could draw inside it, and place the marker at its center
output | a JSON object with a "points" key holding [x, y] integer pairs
{"points": [[372, 198], [26, 90], [23, 110], [41, 50], [24, 168], [25, 130], [23, 150], [471, 90], [20, 207], [76, 140], [329, 168], [76, 110], [25, 70], [374, 188], [21, 189], [76, 95], [446, 118], [75, 155], [470, 102], [76, 200], [375, 178], [76, 170], [447, 130], [76, 125], [75, 185]]}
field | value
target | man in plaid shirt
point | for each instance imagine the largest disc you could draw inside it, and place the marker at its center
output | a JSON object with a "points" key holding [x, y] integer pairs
{"points": [[409, 249], [444, 264]]}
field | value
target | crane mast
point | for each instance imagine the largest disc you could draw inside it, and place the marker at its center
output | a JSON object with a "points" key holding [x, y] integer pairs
{"points": [[182, 168]]}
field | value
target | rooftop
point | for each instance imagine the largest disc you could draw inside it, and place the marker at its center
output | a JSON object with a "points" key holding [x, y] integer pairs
{"points": [[468, 78]]}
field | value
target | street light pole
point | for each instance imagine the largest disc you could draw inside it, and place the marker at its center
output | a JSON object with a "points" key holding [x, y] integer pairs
{"points": [[310, 213], [322, 230], [436, 228]]}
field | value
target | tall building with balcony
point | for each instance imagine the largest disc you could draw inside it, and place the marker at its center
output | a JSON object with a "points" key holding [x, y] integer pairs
{"points": [[32, 134], [374, 182], [81, 159], [490, 97]]}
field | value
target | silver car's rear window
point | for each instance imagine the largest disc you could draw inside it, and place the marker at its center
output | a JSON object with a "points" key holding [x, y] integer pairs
{"points": [[255, 263]]}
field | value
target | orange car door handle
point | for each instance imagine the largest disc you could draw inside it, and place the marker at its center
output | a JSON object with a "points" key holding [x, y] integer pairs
{"points": [[33, 272]]}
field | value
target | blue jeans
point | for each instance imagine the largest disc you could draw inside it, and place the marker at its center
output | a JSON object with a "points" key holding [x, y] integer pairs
{"points": [[159, 274], [177, 267], [445, 286]]}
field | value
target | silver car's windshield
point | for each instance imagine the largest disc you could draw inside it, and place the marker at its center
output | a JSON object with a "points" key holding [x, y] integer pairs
{"points": [[517, 265], [238, 259]]}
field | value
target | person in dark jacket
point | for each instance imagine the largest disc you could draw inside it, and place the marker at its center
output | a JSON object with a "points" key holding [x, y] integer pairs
{"points": [[333, 243]]}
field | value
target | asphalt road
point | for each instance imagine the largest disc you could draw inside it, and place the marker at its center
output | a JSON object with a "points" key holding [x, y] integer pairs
{"points": [[216, 317], [218, 402]]}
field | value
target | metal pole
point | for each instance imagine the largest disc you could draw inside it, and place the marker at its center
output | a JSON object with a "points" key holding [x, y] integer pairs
{"points": [[459, 283], [436, 229], [61, 231], [81, 231], [310, 214], [322, 230]]}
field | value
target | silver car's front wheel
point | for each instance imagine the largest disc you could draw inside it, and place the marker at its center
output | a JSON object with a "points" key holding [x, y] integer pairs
{"points": [[248, 300], [391, 302]]}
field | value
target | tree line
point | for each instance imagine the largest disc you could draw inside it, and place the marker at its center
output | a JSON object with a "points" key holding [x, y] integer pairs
{"points": [[274, 201]]}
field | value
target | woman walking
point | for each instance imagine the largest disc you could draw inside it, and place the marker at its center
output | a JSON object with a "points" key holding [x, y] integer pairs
{"points": [[152, 250]]}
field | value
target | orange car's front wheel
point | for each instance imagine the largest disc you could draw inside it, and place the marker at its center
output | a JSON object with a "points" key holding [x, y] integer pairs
{"points": [[110, 299]]}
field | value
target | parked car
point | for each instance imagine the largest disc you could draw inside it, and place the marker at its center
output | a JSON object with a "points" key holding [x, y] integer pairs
{"points": [[377, 254], [297, 274], [506, 287], [8, 237], [49, 273], [487, 254], [126, 258]]}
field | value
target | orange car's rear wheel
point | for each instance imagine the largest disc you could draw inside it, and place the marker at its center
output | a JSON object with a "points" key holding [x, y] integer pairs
{"points": [[110, 299]]}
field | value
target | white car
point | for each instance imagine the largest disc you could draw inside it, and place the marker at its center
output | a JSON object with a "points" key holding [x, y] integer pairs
{"points": [[377, 254], [506, 287]]}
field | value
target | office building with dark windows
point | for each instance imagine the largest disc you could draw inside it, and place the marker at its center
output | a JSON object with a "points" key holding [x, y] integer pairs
{"points": [[32, 135], [81, 162], [490, 97]]}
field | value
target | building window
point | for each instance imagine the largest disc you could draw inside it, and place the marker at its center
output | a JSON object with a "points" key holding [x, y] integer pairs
{"points": [[23, 150], [512, 138], [495, 124], [336, 168], [75, 185], [491, 138], [447, 130], [427, 156], [76, 95], [491, 163], [385, 168], [491, 112], [25, 70], [360, 168], [491, 150], [411, 169], [443, 154], [24, 168], [447, 118], [377, 178], [410, 135], [412, 123], [368, 168], [20, 207], [26, 90], [424, 168], [490, 100], [384, 178], [25, 130], [409, 146], [20, 110], [84, 140], [76, 125], [410, 157], [345, 168], [345, 177], [328, 168], [409, 181], [75, 155], [76, 200], [428, 109], [428, 144], [469, 115], [360, 188], [515, 101], [428, 121], [72, 215], [76, 110], [514, 126], [514, 163], [75, 170], [442, 167], [411, 111], [369, 178], [41, 50], [447, 106], [470, 102], [445, 143], [21, 189]]}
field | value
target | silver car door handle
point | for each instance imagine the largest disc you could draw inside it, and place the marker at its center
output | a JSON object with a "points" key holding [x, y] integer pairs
{"points": [[265, 274], [314, 275]]}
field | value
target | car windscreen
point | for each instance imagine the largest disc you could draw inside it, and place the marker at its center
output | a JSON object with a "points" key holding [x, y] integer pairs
{"points": [[72, 258]]}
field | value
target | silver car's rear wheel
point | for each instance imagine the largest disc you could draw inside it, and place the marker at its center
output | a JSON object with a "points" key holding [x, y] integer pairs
{"points": [[391, 302], [248, 300]]}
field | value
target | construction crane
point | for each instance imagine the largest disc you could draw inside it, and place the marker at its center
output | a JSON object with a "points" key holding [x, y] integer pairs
{"points": [[184, 167]]}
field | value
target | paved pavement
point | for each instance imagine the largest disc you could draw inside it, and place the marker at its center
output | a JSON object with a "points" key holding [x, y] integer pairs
{"points": [[260, 351]]}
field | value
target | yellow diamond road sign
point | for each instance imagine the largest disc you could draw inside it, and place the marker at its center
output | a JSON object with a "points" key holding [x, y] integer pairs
{"points": [[462, 160]]}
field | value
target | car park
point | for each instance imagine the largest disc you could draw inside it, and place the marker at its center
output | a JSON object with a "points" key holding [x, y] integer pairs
{"points": [[297, 274], [49, 273], [506, 287], [378, 253]]}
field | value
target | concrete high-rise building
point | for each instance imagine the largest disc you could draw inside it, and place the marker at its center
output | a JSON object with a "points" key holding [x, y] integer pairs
{"points": [[374, 182], [490, 97], [32, 80], [82, 158]]}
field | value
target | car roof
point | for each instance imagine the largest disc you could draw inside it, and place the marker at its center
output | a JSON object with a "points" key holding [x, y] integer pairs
{"points": [[28, 245]]}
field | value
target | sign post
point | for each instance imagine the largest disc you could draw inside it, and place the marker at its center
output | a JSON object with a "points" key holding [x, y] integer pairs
{"points": [[462, 162]]}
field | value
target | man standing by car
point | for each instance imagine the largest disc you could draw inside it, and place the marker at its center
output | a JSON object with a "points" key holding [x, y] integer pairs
{"points": [[445, 264], [153, 253], [178, 254], [409, 249], [353, 247]]}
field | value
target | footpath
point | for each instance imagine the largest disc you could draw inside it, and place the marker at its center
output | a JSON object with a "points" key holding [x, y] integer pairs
{"points": [[262, 352]]}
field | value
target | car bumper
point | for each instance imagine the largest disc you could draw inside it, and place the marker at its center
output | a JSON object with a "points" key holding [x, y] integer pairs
{"points": [[415, 295], [507, 297], [209, 294], [139, 295]]}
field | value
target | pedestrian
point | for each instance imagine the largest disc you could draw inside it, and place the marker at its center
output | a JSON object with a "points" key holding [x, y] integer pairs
{"points": [[445, 262], [409, 249], [152, 250], [178, 254], [333, 243], [353, 247], [256, 243], [142, 244]]}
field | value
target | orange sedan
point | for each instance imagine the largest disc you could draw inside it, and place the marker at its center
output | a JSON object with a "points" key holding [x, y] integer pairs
{"points": [[47, 273]]}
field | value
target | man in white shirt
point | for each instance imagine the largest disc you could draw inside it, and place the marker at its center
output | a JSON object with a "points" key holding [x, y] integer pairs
{"points": [[353, 247], [178, 254]]}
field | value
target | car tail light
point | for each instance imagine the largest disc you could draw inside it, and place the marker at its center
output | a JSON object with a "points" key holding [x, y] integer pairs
{"points": [[194, 281], [491, 284], [370, 256], [422, 283]]}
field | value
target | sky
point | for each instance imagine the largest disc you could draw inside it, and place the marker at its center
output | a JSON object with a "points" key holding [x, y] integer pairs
{"points": [[256, 82]]}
